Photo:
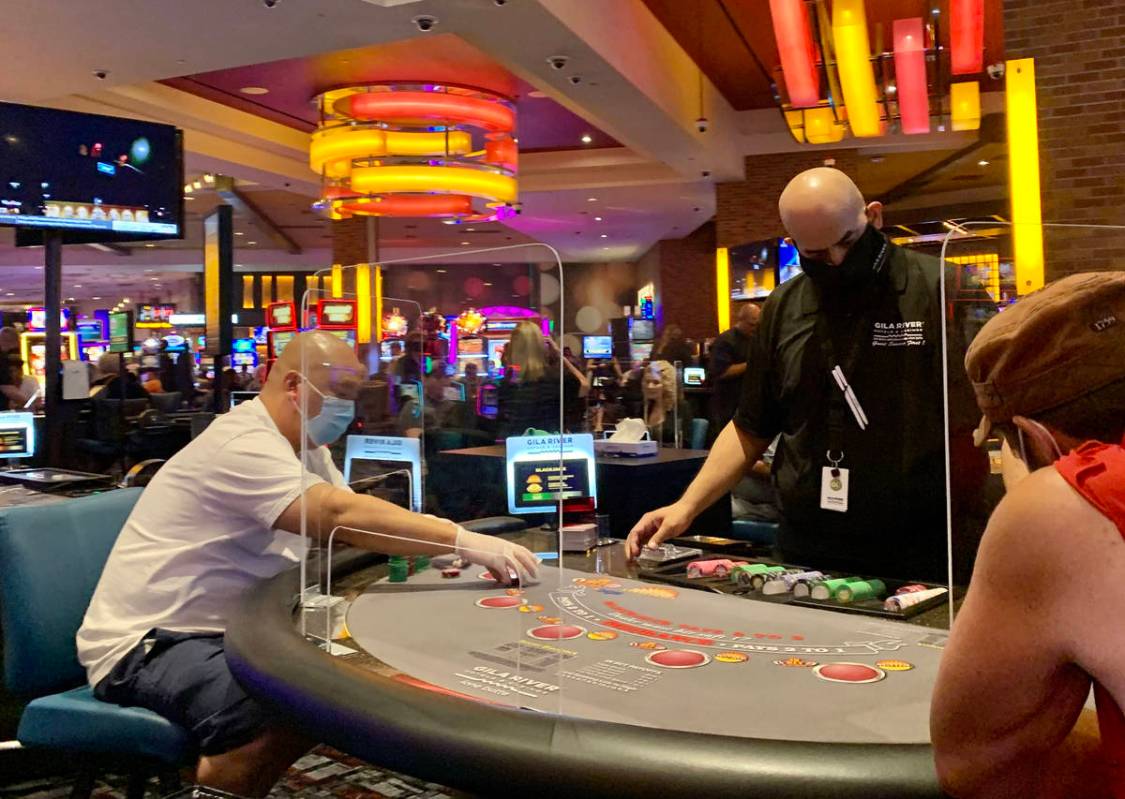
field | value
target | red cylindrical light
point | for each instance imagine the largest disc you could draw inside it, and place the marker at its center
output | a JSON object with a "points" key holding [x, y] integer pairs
{"points": [[428, 107], [411, 205], [910, 75], [966, 35], [798, 53]]}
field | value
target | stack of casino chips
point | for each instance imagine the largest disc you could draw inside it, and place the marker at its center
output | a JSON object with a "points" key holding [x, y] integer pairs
{"points": [[910, 595], [399, 568], [848, 589]]}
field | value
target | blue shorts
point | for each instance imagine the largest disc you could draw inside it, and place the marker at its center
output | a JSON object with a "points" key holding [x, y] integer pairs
{"points": [[184, 677]]}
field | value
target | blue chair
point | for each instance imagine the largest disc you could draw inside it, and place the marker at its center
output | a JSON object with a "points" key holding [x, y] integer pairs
{"points": [[51, 557], [699, 433], [754, 531]]}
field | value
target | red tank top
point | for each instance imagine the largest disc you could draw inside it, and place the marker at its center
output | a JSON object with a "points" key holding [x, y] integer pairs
{"points": [[1097, 472]]}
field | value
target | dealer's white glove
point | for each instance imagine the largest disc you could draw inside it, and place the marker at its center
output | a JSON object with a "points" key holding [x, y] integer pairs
{"points": [[506, 561]]}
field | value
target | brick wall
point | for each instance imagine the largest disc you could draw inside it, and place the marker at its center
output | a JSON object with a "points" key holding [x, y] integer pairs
{"points": [[687, 282], [747, 211], [1079, 52], [349, 241]]}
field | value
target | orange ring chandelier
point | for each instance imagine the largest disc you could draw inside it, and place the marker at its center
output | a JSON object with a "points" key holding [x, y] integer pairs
{"points": [[416, 150]]}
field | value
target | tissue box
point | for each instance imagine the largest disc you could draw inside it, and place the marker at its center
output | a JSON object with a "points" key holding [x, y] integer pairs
{"points": [[578, 537], [625, 449]]}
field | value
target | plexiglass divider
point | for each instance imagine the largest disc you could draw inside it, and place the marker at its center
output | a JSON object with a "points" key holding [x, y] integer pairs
{"points": [[477, 479], [986, 266]]}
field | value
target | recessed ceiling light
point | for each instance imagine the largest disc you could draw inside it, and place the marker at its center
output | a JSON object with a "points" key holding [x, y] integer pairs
{"points": [[254, 90], [189, 198], [38, 267], [470, 230], [597, 219], [10, 294], [449, 221], [982, 162], [605, 248], [239, 233], [487, 284], [150, 245], [538, 95], [78, 285], [605, 235], [70, 299], [154, 278], [464, 244], [251, 243], [441, 271], [95, 298], [591, 199], [587, 138]]}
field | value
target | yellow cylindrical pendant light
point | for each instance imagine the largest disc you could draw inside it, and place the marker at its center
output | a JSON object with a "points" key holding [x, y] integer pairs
{"points": [[853, 61], [964, 100], [722, 287], [821, 126], [363, 303], [1023, 174], [337, 281], [378, 277]]}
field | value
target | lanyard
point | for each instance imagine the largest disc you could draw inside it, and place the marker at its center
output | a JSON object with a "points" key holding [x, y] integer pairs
{"points": [[842, 401]]}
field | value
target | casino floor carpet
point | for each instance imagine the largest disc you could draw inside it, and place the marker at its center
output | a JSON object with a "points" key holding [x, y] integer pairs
{"points": [[323, 773]]}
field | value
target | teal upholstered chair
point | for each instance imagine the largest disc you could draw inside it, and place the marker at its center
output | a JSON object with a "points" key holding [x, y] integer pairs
{"points": [[51, 557]]}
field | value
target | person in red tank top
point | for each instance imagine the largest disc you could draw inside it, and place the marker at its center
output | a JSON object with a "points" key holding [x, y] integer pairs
{"points": [[1041, 623]]}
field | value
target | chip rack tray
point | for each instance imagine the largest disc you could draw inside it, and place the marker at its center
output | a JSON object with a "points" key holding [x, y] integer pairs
{"points": [[674, 574]]}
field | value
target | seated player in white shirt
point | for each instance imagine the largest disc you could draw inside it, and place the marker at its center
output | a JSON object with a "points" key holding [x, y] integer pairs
{"points": [[219, 517]]}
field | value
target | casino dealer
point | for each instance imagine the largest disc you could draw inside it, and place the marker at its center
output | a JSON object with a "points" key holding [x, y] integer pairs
{"points": [[222, 515], [845, 370]]}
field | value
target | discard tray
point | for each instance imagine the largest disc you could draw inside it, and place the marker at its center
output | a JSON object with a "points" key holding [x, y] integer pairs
{"points": [[45, 478], [675, 574]]}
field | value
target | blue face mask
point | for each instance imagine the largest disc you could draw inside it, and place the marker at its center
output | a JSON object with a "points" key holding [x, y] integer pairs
{"points": [[332, 421]]}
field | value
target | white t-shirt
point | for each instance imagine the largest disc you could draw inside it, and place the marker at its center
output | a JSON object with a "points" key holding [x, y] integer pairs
{"points": [[200, 535]]}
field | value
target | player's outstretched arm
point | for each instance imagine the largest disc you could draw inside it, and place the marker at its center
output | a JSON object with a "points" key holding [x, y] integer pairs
{"points": [[374, 524], [1010, 688], [732, 452]]}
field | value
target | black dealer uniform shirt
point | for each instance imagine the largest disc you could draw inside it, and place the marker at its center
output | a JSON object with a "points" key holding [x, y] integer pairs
{"points": [[895, 522]]}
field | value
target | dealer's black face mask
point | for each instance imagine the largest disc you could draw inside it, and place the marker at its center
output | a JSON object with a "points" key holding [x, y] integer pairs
{"points": [[856, 267]]}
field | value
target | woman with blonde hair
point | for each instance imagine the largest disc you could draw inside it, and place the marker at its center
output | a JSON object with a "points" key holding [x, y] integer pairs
{"points": [[529, 390]]}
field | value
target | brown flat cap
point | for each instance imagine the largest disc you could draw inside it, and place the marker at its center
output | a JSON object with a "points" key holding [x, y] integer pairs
{"points": [[1049, 348]]}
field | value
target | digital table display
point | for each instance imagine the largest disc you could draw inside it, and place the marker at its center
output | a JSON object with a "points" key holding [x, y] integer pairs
{"points": [[543, 471]]}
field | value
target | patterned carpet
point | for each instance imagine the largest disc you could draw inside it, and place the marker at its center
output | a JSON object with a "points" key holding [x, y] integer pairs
{"points": [[323, 773]]}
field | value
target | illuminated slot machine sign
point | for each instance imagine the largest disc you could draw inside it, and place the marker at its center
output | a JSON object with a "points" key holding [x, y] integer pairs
{"points": [[244, 352], [33, 343], [543, 471], [17, 434], [154, 317], [338, 317], [281, 319], [93, 336]]}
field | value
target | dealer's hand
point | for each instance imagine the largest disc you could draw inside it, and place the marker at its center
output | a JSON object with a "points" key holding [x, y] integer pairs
{"points": [[656, 527], [502, 558]]}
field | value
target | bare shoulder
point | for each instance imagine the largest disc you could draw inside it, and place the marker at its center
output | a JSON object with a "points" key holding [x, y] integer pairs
{"points": [[1044, 519]]}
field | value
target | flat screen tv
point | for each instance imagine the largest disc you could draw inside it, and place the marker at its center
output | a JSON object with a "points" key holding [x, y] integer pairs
{"points": [[598, 347], [96, 178]]}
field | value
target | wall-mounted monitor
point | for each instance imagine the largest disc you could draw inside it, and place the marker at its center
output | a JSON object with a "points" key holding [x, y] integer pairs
{"points": [[753, 270], [788, 261], [96, 178], [642, 329], [597, 347]]}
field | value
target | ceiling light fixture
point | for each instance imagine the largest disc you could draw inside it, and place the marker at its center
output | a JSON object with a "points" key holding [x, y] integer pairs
{"points": [[591, 199], [605, 235], [239, 233], [254, 90], [983, 162], [597, 219], [587, 138]]}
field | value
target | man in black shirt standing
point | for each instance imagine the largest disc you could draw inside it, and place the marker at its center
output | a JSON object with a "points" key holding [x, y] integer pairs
{"points": [[728, 364], [846, 369]]}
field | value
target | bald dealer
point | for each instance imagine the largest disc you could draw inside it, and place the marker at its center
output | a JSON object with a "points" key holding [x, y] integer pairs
{"points": [[845, 369]]}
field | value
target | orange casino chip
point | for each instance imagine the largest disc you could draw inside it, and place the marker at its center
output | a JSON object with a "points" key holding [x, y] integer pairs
{"points": [[531, 608], [549, 619], [731, 657], [601, 635], [894, 665]]}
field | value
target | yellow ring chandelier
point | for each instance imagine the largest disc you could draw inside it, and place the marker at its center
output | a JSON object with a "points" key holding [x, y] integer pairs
{"points": [[416, 150]]}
